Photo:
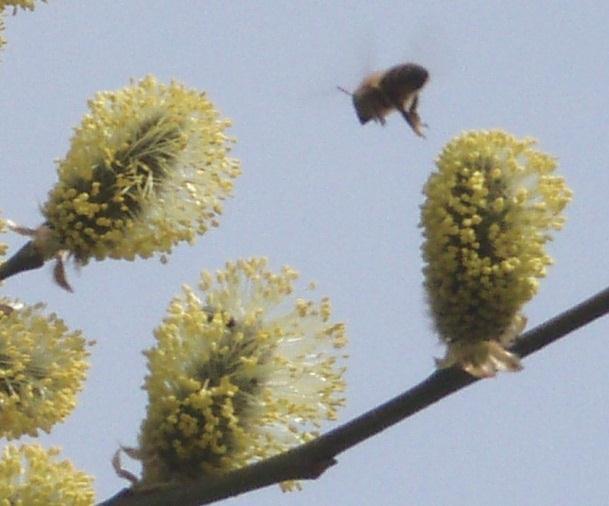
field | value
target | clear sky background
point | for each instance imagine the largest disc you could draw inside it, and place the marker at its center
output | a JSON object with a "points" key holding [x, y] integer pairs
{"points": [[340, 203]]}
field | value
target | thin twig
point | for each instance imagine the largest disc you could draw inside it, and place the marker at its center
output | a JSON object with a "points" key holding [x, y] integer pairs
{"points": [[310, 460]]}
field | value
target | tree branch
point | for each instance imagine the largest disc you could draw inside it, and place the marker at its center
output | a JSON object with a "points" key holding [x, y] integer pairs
{"points": [[310, 460], [27, 258]]}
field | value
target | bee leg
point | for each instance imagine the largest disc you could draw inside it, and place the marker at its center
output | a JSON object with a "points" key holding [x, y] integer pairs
{"points": [[411, 116], [414, 121], [415, 114], [414, 104]]}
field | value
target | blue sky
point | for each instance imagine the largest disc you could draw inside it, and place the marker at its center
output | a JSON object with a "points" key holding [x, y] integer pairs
{"points": [[340, 203]]}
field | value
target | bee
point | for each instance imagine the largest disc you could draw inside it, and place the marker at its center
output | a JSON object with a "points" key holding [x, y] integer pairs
{"points": [[397, 88]]}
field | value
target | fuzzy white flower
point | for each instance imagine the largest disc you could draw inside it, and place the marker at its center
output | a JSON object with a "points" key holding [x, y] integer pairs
{"points": [[239, 374]]}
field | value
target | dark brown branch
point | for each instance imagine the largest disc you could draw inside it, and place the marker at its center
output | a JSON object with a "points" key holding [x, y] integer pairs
{"points": [[27, 258], [310, 460]]}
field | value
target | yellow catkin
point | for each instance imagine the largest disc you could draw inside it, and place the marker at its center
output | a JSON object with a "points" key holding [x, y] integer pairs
{"points": [[42, 368], [32, 476], [239, 372], [488, 213], [147, 168]]}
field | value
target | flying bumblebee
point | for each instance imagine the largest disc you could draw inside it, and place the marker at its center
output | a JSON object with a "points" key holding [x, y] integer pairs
{"points": [[398, 89]]}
